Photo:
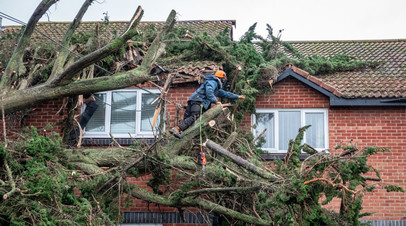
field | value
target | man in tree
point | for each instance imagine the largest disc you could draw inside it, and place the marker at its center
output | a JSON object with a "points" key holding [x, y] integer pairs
{"points": [[202, 98]]}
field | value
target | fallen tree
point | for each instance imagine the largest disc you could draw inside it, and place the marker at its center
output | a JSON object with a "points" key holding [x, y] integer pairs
{"points": [[38, 175]]}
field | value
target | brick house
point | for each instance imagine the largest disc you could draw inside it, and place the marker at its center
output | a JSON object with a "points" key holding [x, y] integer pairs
{"points": [[367, 107]]}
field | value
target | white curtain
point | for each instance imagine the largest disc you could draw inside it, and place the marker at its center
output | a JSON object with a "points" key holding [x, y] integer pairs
{"points": [[315, 133], [123, 111], [266, 120], [147, 112], [289, 124]]}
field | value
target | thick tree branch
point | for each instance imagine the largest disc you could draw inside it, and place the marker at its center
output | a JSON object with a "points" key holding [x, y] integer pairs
{"points": [[240, 161], [230, 140], [157, 47], [15, 66], [371, 178], [21, 99], [193, 202], [213, 207], [64, 50], [66, 76], [221, 189], [176, 146], [11, 180], [331, 183]]}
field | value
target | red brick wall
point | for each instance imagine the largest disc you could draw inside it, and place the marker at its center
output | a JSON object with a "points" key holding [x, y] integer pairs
{"points": [[177, 95], [47, 113], [383, 127], [41, 116], [290, 93]]}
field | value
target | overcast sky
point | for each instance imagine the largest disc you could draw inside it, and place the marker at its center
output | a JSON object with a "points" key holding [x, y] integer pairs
{"points": [[300, 19]]}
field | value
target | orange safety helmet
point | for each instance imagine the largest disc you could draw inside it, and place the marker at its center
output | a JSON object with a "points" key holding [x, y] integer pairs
{"points": [[221, 74]]}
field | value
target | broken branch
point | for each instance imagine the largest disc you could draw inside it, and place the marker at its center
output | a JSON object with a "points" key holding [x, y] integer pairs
{"points": [[66, 76], [64, 50], [240, 161]]}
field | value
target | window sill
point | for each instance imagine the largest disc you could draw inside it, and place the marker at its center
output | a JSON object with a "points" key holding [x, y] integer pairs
{"points": [[274, 156], [109, 141]]}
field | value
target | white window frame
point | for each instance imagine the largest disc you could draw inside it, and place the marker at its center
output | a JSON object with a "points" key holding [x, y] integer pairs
{"points": [[138, 133], [303, 112]]}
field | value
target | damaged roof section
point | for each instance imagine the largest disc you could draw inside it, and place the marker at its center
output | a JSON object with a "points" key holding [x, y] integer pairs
{"points": [[193, 72]]}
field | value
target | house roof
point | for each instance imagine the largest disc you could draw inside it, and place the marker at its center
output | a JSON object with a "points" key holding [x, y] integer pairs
{"points": [[387, 81], [56, 30]]}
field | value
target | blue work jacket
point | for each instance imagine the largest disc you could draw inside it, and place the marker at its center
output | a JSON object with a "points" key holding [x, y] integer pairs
{"points": [[209, 90]]}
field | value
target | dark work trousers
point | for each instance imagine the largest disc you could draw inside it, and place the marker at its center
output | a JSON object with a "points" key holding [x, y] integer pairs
{"points": [[84, 119], [191, 114]]}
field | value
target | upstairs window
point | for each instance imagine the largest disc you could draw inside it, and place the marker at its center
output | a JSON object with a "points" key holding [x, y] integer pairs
{"points": [[283, 125], [123, 113]]}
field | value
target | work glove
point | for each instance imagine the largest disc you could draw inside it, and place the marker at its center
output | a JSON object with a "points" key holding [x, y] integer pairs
{"points": [[241, 97]]}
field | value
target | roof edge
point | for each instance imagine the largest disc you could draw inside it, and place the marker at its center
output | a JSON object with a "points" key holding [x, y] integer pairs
{"points": [[310, 79], [364, 102]]}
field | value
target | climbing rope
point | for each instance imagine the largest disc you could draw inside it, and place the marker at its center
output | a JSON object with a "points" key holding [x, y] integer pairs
{"points": [[201, 157]]}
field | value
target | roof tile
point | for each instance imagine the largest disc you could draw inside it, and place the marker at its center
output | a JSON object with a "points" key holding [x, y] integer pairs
{"points": [[388, 80]]}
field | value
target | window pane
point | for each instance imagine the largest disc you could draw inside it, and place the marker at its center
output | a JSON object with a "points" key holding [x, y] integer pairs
{"points": [[123, 109], [289, 124], [97, 121], [315, 133], [147, 112], [266, 120]]}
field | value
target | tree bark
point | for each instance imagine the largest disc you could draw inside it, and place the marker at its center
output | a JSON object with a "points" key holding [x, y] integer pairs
{"points": [[240, 161], [66, 76], [21, 99], [223, 189], [15, 66], [64, 50], [195, 202], [175, 147], [230, 140]]}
